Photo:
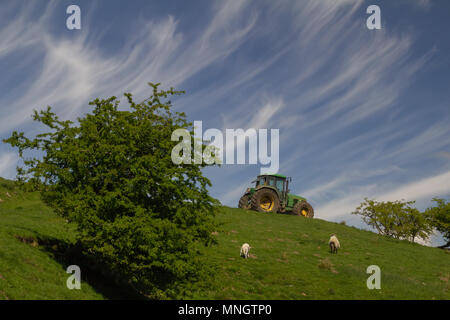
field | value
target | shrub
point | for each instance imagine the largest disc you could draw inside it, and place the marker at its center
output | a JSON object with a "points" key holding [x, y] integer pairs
{"points": [[397, 219]]}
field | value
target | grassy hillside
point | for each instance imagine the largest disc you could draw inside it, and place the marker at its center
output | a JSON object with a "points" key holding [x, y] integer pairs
{"points": [[31, 240], [289, 259]]}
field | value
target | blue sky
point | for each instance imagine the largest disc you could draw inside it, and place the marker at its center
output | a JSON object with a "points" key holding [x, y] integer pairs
{"points": [[361, 113]]}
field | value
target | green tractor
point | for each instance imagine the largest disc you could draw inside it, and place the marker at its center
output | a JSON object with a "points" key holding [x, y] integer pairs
{"points": [[271, 194]]}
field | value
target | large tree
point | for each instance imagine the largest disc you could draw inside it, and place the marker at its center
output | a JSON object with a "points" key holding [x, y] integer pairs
{"points": [[112, 174]]}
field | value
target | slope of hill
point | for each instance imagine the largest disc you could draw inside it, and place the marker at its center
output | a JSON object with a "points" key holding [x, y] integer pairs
{"points": [[289, 259], [32, 239]]}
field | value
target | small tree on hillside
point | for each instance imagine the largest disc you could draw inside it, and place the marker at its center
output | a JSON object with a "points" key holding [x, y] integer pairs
{"points": [[112, 174], [413, 224], [397, 219], [440, 217]]}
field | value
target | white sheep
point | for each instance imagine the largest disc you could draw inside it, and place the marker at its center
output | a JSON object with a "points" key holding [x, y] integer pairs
{"points": [[244, 250], [334, 243]]}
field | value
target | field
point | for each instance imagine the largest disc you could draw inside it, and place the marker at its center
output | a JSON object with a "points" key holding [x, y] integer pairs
{"points": [[289, 259]]}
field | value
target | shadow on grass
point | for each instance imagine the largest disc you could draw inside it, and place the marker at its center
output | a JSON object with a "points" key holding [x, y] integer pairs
{"points": [[71, 254]]}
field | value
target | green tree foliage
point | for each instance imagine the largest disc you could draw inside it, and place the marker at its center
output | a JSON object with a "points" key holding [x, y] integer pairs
{"points": [[440, 217], [112, 174], [413, 224], [397, 219]]}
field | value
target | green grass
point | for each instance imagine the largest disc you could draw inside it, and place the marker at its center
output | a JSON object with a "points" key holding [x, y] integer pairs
{"points": [[33, 247], [289, 259]]}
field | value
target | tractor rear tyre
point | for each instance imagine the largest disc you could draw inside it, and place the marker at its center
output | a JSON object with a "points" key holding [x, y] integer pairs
{"points": [[265, 200], [303, 208], [243, 202]]}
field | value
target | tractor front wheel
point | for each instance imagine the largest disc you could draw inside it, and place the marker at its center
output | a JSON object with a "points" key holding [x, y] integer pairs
{"points": [[303, 208], [265, 200], [243, 202]]}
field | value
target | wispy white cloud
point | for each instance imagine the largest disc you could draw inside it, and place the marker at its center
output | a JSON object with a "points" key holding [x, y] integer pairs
{"points": [[428, 188], [444, 154], [234, 193], [74, 71], [425, 141], [424, 3], [263, 116], [7, 165]]}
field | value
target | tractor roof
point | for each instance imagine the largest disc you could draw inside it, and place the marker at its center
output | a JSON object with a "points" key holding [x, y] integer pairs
{"points": [[273, 175]]}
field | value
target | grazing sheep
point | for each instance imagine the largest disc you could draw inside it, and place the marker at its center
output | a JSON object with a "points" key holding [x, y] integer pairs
{"points": [[334, 243], [244, 250]]}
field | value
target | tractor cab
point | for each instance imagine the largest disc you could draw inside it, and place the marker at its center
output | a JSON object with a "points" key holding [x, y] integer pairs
{"points": [[277, 181]]}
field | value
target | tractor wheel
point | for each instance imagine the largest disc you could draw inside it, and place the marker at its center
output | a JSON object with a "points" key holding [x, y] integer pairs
{"points": [[243, 202], [265, 200], [303, 208]]}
